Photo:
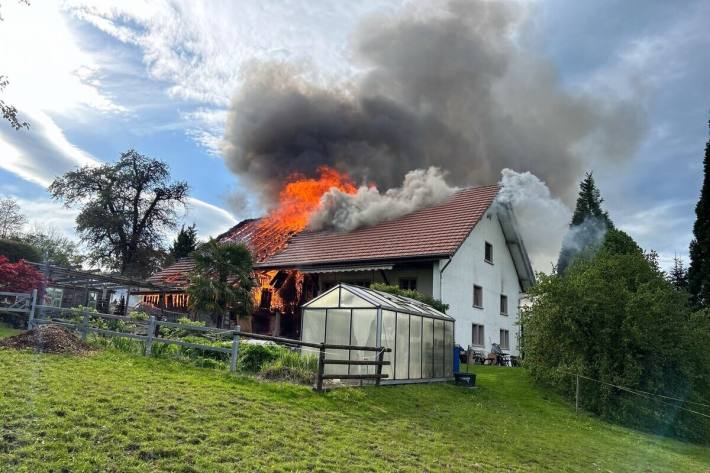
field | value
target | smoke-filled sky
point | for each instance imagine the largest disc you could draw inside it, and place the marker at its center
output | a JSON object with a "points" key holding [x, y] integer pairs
{"points": [[234, 96]]}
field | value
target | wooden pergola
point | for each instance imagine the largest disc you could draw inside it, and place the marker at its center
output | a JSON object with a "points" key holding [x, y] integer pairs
{"points": [[96, 281]]}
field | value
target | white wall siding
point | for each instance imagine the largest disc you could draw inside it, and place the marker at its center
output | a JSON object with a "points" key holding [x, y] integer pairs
{"points": [[468, 267]]}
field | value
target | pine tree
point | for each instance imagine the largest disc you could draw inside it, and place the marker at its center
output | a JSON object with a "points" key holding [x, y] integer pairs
{"points": [[699, 270], [589, 203], [589, 224], [185, 243], [678, 275]]}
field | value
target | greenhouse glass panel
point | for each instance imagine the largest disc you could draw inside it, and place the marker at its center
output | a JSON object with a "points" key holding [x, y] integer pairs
{"points": [[337, 331], [313, 325], [364, 334], [327, 299], [389, 325], [415, 347], [402, 358], [438, 348], [348, 299], [427, 347], [448, 349]]}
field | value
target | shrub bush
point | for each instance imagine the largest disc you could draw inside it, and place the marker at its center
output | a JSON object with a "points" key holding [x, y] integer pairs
{"points": [[613, 317], [416, 295], [253, 356], [16, 250], [291, 366]]}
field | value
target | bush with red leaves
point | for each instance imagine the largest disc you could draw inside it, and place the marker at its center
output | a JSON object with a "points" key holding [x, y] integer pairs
{"points": [[18, 277]]}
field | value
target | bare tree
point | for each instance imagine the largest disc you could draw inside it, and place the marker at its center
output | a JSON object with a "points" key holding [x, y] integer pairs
{"points": [[11, 218]]}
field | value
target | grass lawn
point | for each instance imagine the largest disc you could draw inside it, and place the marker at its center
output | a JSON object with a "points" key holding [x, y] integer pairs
{"points": [[7, 331], [118, 412]]}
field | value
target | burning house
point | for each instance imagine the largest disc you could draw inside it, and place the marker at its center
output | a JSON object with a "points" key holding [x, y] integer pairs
{"points": [[465, 250]]}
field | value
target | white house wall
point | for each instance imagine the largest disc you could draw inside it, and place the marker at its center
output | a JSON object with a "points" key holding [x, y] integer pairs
{"points": [[468, 267]]}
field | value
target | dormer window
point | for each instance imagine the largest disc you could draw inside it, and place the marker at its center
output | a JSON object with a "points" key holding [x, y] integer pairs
{"points": [[488, 256]]}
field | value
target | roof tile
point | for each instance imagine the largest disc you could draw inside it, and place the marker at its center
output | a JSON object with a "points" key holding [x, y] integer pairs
{"points": [[434, 231]]}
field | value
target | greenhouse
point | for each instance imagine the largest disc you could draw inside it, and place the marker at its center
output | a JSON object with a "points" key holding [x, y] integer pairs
{"points": [[421, 337]]}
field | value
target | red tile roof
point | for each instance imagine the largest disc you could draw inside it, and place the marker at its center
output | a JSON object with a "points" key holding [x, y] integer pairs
{"points": [[435, 231], [174, 275], [177, 274]]}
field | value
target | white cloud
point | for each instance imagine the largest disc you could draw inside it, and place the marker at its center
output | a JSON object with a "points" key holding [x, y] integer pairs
{"points": [[47, 69], [666, 228], [199, 49], [51, 75]]}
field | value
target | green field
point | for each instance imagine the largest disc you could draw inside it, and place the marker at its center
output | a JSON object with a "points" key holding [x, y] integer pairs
{"points": [[7, 331], [118, 412]]}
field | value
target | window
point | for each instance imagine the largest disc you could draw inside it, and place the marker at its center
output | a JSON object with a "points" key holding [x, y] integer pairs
{"points": [[358, 282], [53, 296], [504, 339], [408, 283], [489, 253], [477, 335], [503, 304], [478, 296]]}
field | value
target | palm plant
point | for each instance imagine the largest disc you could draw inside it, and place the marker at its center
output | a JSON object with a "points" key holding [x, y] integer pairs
{"points": [[221, 280]]}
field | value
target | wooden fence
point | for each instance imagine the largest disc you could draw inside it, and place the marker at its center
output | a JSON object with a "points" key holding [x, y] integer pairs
{"points": [[146, 331]]}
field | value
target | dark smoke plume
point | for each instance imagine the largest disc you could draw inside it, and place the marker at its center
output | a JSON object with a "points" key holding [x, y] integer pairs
{"points": [[447, 86]]}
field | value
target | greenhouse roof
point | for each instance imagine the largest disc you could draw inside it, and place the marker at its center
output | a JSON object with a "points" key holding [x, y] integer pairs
{"points": [[350, 296]]}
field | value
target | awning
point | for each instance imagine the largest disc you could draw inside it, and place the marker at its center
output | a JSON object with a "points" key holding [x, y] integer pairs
{"points": [[346, 268]]}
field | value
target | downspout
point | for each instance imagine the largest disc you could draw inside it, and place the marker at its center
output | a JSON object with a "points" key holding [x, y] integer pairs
{"points": [[441, 276]]}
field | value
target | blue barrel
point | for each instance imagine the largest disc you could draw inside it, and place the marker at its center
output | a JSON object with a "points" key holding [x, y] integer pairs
{"points": [[457, 358]]}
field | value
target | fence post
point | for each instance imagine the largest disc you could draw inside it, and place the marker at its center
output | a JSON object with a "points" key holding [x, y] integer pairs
{"points": [[85, 323], [31, 318], [378, 370], [235, 350], [576, 396], [151, 334], [321, 368]]}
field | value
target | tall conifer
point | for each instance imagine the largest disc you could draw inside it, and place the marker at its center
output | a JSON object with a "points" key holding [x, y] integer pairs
{"points": [[699, 269]]}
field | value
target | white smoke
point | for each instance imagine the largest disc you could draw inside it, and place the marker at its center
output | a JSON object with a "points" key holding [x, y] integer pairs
{"points": [[543, 219], [582, 239], [345, 212]]}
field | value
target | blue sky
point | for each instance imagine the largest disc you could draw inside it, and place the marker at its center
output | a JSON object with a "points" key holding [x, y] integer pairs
{"points": [[95, 78]]}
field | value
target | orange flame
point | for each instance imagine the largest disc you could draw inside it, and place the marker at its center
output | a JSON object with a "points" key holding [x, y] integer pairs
{"points": [[298, 199]]}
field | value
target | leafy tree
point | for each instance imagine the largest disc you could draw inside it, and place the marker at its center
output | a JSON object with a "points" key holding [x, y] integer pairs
{"points": [[185, 243], [614, 317], [699, 270], [15, 250], [221, 280], [588, 227], [19, 276], [678, 274], [9, 112], [54, 246], [416, 295], [11, 218], [125, 209]]}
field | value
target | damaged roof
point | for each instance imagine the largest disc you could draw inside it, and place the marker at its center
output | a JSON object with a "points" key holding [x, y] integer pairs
{"points": [[432, 232]]}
